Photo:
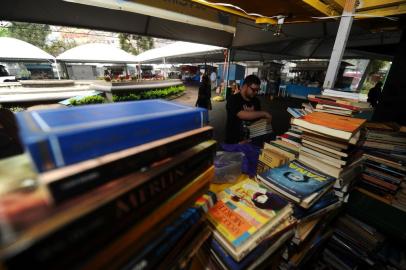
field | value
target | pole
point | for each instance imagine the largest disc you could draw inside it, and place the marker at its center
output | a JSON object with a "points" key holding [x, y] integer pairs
{"points": [[340, 43], [57, 70], [228, 72]]}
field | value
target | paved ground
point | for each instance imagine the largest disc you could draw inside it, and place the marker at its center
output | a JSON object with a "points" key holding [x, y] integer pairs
{"points": [[277, 107]]}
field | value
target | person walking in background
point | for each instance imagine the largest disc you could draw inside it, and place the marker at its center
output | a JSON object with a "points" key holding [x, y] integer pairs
{"points": [[204, 94], [243, 106], [213, 80], [374, 94]]}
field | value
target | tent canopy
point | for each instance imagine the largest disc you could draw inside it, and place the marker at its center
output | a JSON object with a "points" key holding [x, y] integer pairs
{"points": [[179, 49], [15, 49], [96, 53]]}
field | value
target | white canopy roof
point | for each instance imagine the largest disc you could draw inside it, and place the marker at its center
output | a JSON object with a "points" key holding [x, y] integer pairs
{"points": [[15, 49], [177, 49], [96, 53]]}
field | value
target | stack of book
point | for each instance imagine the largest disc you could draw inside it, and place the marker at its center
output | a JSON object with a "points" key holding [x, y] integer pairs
{"points": [[259, 128], [314, 201], [292, 136], [249, 223], [384, 174], [384, 179], [339, 105], [345, 94], [353, 245], [120, 185], [329, 144]]}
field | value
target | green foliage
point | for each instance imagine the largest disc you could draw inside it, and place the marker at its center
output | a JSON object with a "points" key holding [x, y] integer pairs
{"points": [[4, 32], [129, 97], [87, 100], [33, 33], [135, 44], [152, 94], [59, 46]]}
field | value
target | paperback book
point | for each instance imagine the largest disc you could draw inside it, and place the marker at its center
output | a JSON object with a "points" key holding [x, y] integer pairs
{"points": [[244, 216], [297, 182]]}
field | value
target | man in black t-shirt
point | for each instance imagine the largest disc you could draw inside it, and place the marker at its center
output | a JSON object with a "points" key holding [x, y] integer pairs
{"points": [[243, 106]]}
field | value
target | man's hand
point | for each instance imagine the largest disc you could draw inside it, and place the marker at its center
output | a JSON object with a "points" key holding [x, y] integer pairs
{"points": [[267, 116]]}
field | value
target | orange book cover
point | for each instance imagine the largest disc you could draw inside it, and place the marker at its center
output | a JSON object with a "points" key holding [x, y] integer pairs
{"points": [[333, 121]]}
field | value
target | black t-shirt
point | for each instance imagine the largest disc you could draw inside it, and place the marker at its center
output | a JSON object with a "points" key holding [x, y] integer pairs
{"points": [[235, 104]]}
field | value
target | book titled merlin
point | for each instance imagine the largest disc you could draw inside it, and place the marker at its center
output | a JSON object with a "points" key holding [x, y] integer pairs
{"points": [[64, 136]]}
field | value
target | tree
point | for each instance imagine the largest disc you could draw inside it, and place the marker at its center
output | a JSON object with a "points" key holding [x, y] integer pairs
{"points": [[36, 34], [59, 46], [4, 32], [135, 44]]}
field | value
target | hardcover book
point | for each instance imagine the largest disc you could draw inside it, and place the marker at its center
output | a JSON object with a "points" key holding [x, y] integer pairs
{"points": [[59, 137], [245, 214], [69, 181], [297, 182]]}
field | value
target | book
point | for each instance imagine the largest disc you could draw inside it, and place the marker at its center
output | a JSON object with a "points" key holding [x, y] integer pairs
{"points": [[103, 213], [290, 139], [280, 149], [281, 234], [290, 146], [320, 165], [60, 137], [333, 125], [244, 215], [69, 181], [297, 182], [295, 112], [122, 248], [325, 204]]}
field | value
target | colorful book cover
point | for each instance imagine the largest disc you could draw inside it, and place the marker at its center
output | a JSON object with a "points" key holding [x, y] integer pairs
{"points": [[244, 209], [297, 179], [59, 137]]}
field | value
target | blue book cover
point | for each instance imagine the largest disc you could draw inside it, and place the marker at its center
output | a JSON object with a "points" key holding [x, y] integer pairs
{"points": [[326, 200], [63, 136], [296, 180]]}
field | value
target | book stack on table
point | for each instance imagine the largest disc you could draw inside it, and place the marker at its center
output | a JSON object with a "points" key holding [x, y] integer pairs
{"points": [[330, 144], [121, 185], [339, 105]]}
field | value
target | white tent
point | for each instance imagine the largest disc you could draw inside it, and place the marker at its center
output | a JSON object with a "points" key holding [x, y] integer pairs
{"points": [[15, 49], [96, 53], [177, 50]]}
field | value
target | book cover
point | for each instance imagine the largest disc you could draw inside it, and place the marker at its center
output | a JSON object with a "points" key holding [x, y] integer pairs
{"points": [[59, 137], [296, 180], [244, 210], [281, 150], [325, 201], [69, 181]]}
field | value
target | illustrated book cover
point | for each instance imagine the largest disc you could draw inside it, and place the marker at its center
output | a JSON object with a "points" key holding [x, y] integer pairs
{"points": [[245, 214], [297, 181]]}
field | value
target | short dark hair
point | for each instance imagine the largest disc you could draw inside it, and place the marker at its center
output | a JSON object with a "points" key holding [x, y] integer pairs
{"points": [[251, 79]]}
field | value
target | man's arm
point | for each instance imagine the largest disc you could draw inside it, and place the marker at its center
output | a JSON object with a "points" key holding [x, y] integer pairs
{"points": [[253, 115]]}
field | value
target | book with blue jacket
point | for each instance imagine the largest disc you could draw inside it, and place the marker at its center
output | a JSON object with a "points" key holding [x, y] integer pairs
{"points": [[63, 136], [297, 182]]}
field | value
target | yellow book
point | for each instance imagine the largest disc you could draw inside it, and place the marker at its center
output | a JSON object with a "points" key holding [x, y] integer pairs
{"points": [[246, 211]]}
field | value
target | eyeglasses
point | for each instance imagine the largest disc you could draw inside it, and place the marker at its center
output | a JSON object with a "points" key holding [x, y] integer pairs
{"points": [[254, 89]]}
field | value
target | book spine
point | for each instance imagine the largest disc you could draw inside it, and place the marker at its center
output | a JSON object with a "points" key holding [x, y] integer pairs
{"points": [[73, 185], [86, 235], [168, 238], [65, 148]]}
